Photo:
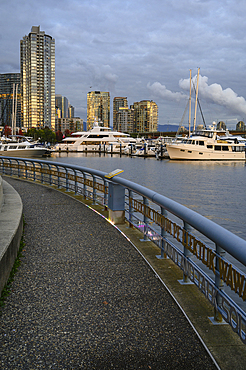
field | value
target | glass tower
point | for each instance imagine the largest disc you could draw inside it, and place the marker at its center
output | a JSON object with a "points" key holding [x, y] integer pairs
{"points": [[98, 108], [145, 116], [118, 102], [37, 60], [9, 85]]}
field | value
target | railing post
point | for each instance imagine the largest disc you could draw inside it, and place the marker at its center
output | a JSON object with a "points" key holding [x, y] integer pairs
{"points": [[42, 174], [145, 219], [163, 235], [94, 194], [10, 167], [219, 283], [130, 207], [34, 172], [58, 177], [84, 185], [75, 182], [187, 253], [105, 194], [116, 203], [50, 175], [67, 182]]}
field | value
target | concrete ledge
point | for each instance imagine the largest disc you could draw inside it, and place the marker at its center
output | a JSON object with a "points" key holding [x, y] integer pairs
{"points": [[11, 226]]}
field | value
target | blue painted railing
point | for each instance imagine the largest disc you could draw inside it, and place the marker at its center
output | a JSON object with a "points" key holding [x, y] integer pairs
{"points": [[195, 244]]}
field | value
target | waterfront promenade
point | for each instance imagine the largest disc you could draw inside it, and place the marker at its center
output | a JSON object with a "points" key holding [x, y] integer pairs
{"points": [[84, 298]]}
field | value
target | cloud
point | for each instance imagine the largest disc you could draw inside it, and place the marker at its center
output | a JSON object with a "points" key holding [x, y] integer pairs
{"points": [[214, 93], [161, 91]]}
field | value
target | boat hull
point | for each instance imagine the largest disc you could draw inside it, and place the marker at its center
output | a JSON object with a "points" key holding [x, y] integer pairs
{"points": [[192, 154], [27, 153]]}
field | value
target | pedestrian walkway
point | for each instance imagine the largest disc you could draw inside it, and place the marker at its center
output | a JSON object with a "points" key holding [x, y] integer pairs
{"points": [[84, 298]]}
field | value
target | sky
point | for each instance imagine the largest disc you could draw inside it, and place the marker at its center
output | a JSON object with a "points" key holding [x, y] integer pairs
{"points": [[139, 49]]}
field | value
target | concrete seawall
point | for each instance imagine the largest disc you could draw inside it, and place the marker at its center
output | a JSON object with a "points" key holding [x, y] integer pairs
{"points": [[11, 227]]}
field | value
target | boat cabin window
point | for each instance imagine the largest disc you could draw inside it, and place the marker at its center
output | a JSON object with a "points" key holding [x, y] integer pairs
{"points": [[205, 133], [189, 141], [97, 136], [12, 147], [225, 148], [217, 147], [201, 142], [238, 148], [193, 142], [210, 146]]}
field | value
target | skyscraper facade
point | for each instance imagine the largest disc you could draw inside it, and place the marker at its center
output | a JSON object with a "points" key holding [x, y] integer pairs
{"points": [[62, 106], [118, 102], [10, 99], [124, 119], [98, 108], [145, 116], [37, 61]]}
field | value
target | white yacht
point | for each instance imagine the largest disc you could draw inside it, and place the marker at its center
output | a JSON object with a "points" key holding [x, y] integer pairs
{"points": [[92, 140], [208, 144], [21, 146]]}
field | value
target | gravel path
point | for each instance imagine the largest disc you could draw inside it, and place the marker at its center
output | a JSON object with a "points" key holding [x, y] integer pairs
{"points": [[83, 298]]}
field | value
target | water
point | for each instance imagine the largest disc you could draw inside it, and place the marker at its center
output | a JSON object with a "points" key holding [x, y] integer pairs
{"points": [[214, 189]]}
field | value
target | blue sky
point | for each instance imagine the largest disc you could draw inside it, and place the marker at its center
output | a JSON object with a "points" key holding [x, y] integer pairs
{"points": [[141, 50]]}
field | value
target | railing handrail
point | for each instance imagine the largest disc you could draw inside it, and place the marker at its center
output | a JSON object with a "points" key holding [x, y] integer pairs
{"points": [[230, 242], [127, 200]]}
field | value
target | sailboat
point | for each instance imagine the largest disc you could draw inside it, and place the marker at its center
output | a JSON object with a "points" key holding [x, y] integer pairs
{"points": [[206, 143]]}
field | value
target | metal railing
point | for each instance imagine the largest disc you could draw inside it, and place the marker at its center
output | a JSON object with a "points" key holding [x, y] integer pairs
{"points": [[195, 244]]}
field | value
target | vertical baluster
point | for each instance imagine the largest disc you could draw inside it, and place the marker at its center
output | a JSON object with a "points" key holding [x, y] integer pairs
{"points": [[145, 219], [187, 253], [163, 235], [130, 207], [219, 283], [84, 185], [75, 182], [94, 194]]}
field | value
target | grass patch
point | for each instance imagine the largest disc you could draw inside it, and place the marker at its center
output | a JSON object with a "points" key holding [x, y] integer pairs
{"points": [[7, 288]]}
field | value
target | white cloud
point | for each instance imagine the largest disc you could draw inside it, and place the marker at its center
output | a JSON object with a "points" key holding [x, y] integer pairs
{"points": [[214, 93]]}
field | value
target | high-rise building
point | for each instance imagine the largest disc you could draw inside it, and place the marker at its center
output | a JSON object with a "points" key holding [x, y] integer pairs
{"points": [[37, 60], [70, 111], [118, 102], [10, 98], [62, 106], [124, 120], [145, 116], [98, 108]]}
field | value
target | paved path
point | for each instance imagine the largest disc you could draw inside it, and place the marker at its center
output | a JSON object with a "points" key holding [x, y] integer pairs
{"points": [[83, 297]]}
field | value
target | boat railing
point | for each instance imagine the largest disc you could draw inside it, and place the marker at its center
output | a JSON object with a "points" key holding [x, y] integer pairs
{"points": [[210, 256]]}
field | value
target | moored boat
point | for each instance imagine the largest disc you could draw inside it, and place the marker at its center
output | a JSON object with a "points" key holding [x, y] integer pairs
{"points": [[207, 144], [92, 140], [21, 146]]}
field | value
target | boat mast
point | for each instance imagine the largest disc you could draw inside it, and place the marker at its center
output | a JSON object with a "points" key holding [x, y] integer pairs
{"points": [[190, 105], [16, 96], [13, 108], [196, 100]]}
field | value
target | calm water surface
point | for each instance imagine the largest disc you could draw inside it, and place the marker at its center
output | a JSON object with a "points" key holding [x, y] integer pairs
{"points": [[214, 189]]}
